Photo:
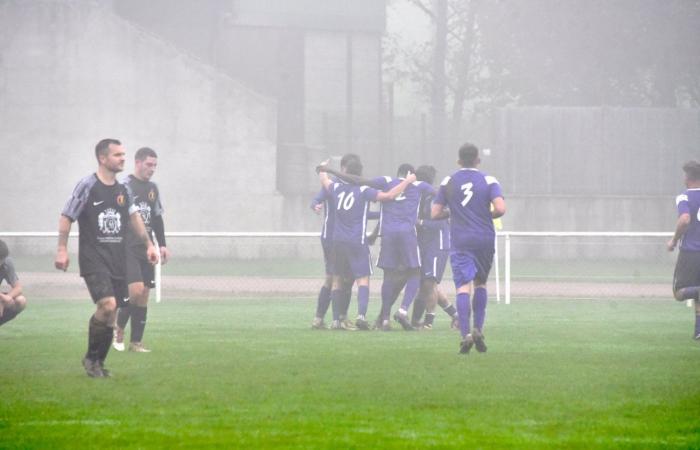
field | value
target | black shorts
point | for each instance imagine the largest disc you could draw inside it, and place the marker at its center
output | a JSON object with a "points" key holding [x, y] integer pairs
{"points": [[687, 271], [102, 285], [138, 269]]}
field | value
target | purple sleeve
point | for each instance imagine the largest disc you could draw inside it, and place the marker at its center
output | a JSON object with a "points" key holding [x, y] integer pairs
{"points": [[494, 188], [427, 189], [682, 204], [370, 194], [441, 197], [319, 198], [380, 183]]}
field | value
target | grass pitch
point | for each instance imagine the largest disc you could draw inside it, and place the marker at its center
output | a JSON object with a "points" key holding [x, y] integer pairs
{"points": [[250, 373]]}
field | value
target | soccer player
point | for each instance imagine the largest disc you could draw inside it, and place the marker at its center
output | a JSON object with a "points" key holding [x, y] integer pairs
{"points": [[12, 302], [140, 273], [351, 256], [399, 254], [686, 277], [434, 245], [324, 201], [469, 194], [102, 206]]}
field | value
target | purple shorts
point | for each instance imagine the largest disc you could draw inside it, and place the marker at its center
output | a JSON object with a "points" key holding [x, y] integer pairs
{"points": [[327, 246], [399, 251], [433, 264], [351, 260], [469, 265]]}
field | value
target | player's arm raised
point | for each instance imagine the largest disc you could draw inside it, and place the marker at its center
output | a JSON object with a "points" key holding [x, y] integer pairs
{"points": [[396, 190], [61, 262], [347, 177], [140, 231], [681, 227]]}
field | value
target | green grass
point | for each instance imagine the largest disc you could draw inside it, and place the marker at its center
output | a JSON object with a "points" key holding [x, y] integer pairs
{"points": [[250, 373]]}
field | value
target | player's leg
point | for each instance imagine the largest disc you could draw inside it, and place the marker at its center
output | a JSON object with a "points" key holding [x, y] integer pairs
{"points": [[324, 295], [463, 272], [138, 310], [448, 307], [419, 305], [392, 284], [323, 303], [410, 260], [484, 260], [100, 328], [362, 303], [685, 279], [427, 296], [13, 308]]}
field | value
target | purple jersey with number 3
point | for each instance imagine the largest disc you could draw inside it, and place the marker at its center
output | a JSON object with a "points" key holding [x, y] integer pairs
{"points": [[351, 208], [468, 194], [689, 203]]}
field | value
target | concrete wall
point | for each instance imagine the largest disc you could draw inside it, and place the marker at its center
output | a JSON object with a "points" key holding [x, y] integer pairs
{"points": [[73, 72]]}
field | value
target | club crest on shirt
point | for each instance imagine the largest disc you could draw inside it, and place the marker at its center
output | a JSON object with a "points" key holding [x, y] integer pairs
{"points": [[121, 199], [152, 195], [145, 211], [109, 221]]}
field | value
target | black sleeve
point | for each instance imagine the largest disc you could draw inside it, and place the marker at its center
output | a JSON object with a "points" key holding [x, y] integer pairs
{"points": [[159, 230]]}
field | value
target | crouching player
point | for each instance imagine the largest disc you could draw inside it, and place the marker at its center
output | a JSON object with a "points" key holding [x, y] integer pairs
{"points": [[12, 302], [686, 277], [469, 194], [351, 256]]}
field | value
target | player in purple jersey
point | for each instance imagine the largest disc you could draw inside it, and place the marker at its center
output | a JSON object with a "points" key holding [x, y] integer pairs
{"points": [[686, 277], [324, 202], [434, 245], [104, 209], [399, 255], [474, 199], [13, 301], [351, 257]]}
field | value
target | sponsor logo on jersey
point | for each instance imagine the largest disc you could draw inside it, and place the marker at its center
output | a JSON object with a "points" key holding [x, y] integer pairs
{"points": [[145, 211], [109, 221]]}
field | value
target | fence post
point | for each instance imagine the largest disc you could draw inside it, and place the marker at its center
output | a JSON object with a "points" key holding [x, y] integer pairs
{"points": [[498, 278], [507, 264]]}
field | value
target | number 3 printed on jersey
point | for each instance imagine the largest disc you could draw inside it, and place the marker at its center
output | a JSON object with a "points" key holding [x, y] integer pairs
{"points": [[346, 202], [468, 193]]}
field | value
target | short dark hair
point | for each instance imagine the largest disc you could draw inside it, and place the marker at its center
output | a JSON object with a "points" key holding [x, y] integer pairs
{"points": [[353, 167], [404, 169], [426, 173], [102, 147], [468, 155], [145, 152], [692, 170], [347, 158], [4, 251]]}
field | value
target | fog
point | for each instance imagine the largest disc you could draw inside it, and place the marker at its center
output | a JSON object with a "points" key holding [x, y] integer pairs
{"points": [[588, 108]]}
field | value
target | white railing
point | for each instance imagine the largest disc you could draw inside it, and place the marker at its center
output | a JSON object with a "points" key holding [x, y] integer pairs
{"points": [[506, 237]]}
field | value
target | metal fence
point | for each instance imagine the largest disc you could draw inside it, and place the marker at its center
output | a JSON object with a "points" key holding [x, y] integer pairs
{"points": [[541, 265]]}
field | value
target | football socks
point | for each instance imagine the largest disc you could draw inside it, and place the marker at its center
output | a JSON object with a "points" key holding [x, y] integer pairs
{"points": [[480, 300], [464, 311]]}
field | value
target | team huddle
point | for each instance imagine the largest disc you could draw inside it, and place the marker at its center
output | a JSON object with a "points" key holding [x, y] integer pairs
{"points": [[419, 227]]}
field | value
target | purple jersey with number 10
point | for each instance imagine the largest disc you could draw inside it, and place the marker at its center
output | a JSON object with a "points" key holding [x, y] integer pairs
{"points": [[468, 194], [689, 203], [351, 208]]}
